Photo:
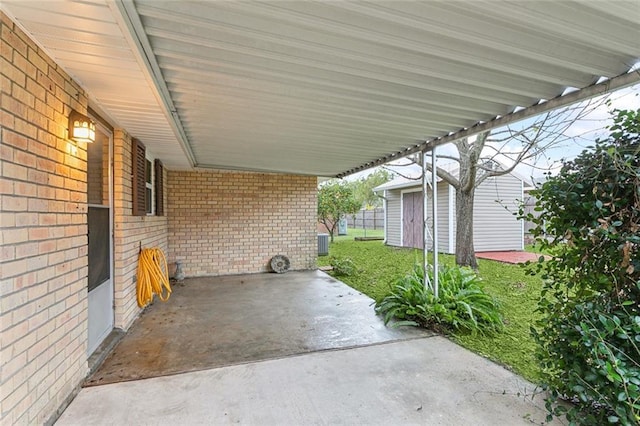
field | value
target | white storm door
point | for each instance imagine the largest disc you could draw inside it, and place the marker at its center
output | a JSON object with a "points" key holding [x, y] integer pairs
{"points": [[100, 231]]}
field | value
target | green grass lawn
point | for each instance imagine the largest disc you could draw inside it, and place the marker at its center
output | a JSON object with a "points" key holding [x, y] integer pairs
{"points": [[532, 248], [535, 248], [379, 265], [357, 232]]}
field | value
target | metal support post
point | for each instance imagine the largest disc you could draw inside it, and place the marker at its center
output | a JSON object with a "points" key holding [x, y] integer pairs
{"points": [[434, 207]]}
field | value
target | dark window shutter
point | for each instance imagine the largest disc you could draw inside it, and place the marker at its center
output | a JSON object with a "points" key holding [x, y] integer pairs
{"points": [[159, 185], [138, 152]]}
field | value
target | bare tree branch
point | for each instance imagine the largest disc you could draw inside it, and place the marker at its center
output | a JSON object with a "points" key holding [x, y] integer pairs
{"points": [[402, 175], [444, 175], [448, 157]]}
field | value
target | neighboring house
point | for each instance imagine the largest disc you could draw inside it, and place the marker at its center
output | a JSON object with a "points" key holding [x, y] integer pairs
{"points": [[495, 226]]}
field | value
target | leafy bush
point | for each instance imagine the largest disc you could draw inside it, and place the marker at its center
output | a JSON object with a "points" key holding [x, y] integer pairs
{"points": [[461, 303], [589, 331], [600, 364], [342, 266]]}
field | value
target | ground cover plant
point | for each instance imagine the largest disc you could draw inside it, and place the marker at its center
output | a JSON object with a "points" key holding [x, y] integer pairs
{"points": [[460, 304], [378, 266]]}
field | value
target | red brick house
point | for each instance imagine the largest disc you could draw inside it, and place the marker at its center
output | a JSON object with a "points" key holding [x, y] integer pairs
{"points": [[239, 104]]}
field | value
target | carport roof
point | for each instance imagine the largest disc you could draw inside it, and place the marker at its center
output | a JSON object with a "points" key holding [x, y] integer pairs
{"points": [[327, 88]]}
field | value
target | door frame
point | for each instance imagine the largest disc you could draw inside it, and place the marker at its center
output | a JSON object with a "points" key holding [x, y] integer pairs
{"points": [[107, 130]]}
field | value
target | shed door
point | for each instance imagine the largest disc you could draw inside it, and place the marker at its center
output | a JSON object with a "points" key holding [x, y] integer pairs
{"points": [[412, 222]]}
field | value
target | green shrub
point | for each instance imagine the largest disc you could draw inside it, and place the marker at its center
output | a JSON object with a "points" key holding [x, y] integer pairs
{"points": [[589, 331], [461, 303], [598, 364], [342, 266]]}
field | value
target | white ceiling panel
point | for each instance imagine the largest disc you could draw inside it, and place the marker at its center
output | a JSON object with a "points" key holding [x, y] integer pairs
{"points": [[325, 88], [85, 38]]}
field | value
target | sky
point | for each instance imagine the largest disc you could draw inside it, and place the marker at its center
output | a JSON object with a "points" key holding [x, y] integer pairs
{"points": [[576, 138], [584, 132]]}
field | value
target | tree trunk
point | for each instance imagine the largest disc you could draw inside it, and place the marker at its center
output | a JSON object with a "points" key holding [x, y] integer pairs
{"points": [[330, 229], [465, 252]]}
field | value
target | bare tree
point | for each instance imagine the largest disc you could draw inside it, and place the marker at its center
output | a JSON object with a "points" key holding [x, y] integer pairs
{"points": [[498, 153]]}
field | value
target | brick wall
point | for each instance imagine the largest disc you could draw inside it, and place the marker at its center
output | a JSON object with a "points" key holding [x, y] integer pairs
{"points": [[223, 222], [131, 233], [43, 259]]}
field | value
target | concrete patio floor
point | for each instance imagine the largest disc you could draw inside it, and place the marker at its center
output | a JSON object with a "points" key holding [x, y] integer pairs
{"points": [[298, 348], [218, 321]]}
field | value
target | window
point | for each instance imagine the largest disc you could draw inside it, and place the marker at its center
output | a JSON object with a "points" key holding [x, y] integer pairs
{"points": [[148, 193], [159, 187]]}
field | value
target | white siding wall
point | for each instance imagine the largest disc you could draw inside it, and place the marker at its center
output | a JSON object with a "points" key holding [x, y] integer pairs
{"points": [[495, 227], [394, 230]]}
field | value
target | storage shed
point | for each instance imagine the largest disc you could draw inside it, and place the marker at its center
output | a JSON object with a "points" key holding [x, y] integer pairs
{"points": [[496, 228]]}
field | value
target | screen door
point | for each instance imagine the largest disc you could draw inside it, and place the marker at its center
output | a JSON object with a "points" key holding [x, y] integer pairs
{"points": [[100, 225]]}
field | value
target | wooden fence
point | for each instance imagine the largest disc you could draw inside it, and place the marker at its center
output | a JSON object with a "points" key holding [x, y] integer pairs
{"points": [[367, 219]]}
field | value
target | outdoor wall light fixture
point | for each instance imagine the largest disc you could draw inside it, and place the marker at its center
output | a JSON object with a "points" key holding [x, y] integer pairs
{"points": [[81, 128]]}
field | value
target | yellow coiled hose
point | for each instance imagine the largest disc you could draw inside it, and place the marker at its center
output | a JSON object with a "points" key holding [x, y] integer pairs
{"points": [[152, 277]]}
